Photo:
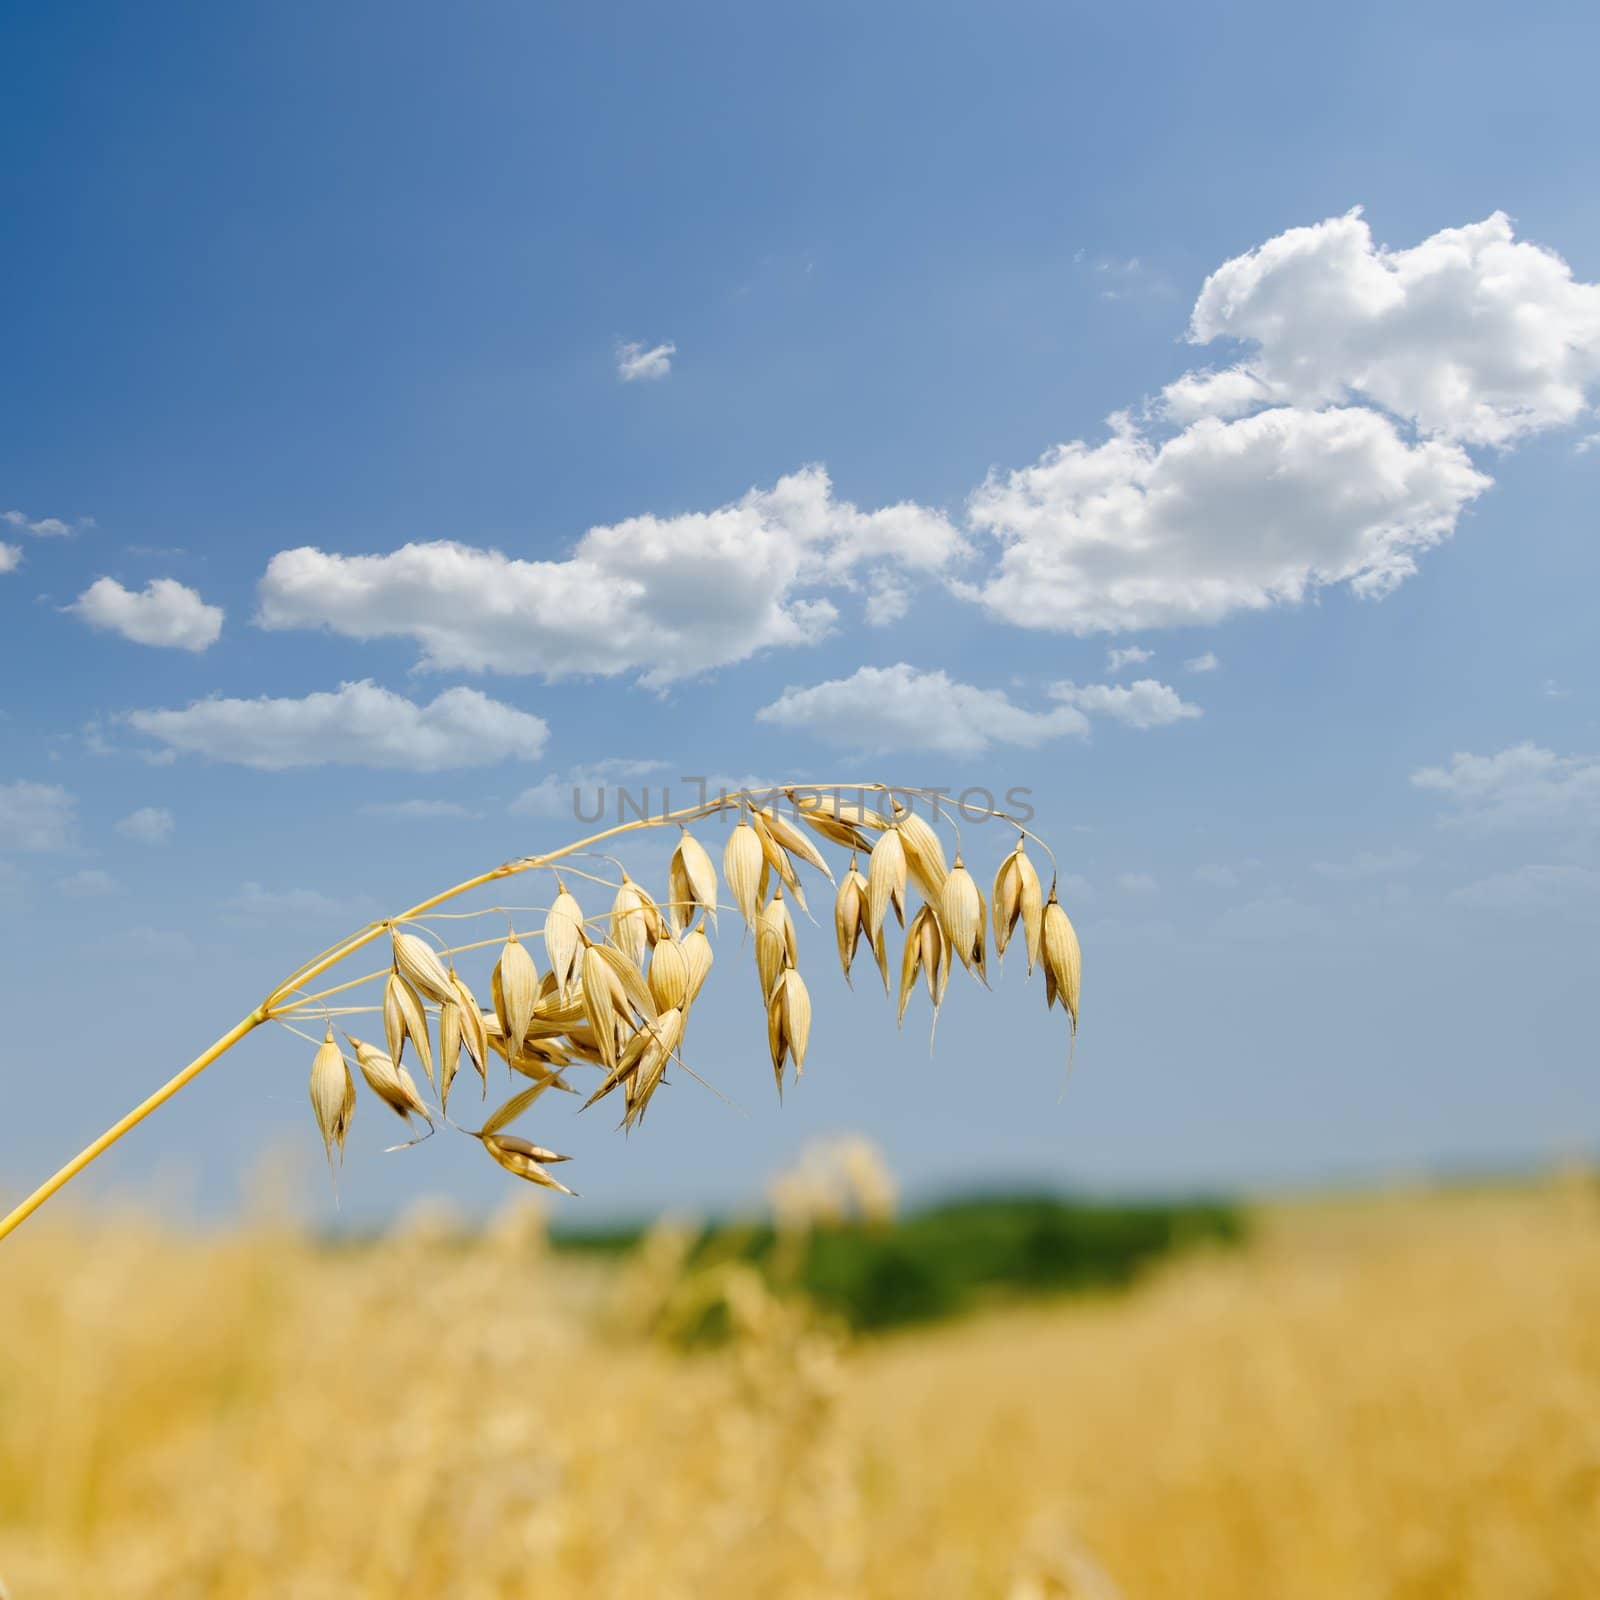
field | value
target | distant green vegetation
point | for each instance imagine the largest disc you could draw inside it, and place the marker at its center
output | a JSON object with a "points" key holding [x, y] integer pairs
{"points": [[951, 1257]]}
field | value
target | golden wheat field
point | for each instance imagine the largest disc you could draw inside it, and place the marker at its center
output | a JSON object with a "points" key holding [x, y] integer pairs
{"points": [[1393, 1396]]}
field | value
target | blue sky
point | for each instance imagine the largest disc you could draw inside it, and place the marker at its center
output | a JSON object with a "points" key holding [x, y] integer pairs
{"points": [[1000, 339]]}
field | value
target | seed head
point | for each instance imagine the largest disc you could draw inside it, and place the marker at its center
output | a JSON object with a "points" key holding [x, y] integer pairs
{"points": [[742, 861], [692, 883], [886, 881], [563, 930], [420, 967], [515, 991], [1063, 960], [403, 1019], [333, 1096], [962, 916]]}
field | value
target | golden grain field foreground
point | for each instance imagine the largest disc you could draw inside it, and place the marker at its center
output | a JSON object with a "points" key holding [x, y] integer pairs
{"points": [[1391, 1397]]}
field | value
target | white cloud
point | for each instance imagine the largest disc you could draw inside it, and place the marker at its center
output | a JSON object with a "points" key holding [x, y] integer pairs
{"points": [[1524, 786], [1216, 873], [37, 816], [165, 613], [1133, 656], [1144, 703], [420, 811], [42, 527], [887, 601], [1534, 889], [1206, 662], [1367, 864], [10, 557], [1471, 335], [636, 363], [1136, 883], [1224, 517], [901, 708], [666, 596], [88, 883], [253, 900], [358, 725], [147, 825]]}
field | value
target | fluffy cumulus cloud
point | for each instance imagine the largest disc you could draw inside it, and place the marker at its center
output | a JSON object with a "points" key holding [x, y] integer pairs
{"points": [[636, 363], [900, 708], [1471, 335], [37, 816], [359, 725], [666, 597], [1224, 517], [1525, 786], [1334, 453], [164, 613], [1145, 703], [10, 557]]}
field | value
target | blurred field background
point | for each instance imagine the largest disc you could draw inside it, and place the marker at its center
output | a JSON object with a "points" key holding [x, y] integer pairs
{"points": [[1394, 1394]]}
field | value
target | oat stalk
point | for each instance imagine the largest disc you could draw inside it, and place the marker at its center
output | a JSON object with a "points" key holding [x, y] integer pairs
{"points": [[596, 993]]}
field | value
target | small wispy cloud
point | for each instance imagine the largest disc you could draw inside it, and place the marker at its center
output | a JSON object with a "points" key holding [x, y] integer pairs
{"points": [[43, 527], [1367, 864], [420, 811], [10, 557], [1132, 656], [147, 825], [1202, 663], [254, 900], [635, 363], [88, 883]]}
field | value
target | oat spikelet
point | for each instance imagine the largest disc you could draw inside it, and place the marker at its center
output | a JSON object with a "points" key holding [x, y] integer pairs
{"points": [[634, 987], [474, 1034], [635, 921], [692, 882], [604, 1002], [1063, 961], [886, 881], [962, 915], [449, 1050], [420, 967], [770, 958], [392, 1084], [924, 853], [403, 1019], [669, 975], [1030, 902], [788, 1024], [849, 916], [790, 838], [697, 952], [563, 930], [521, 1159], [515, 990], [837, 824], [775, 915], [742, 860], [928, 952], [333, 1096]]}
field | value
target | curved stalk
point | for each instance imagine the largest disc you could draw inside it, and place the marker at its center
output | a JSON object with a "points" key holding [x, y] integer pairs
{"points": [[296, 982]]}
